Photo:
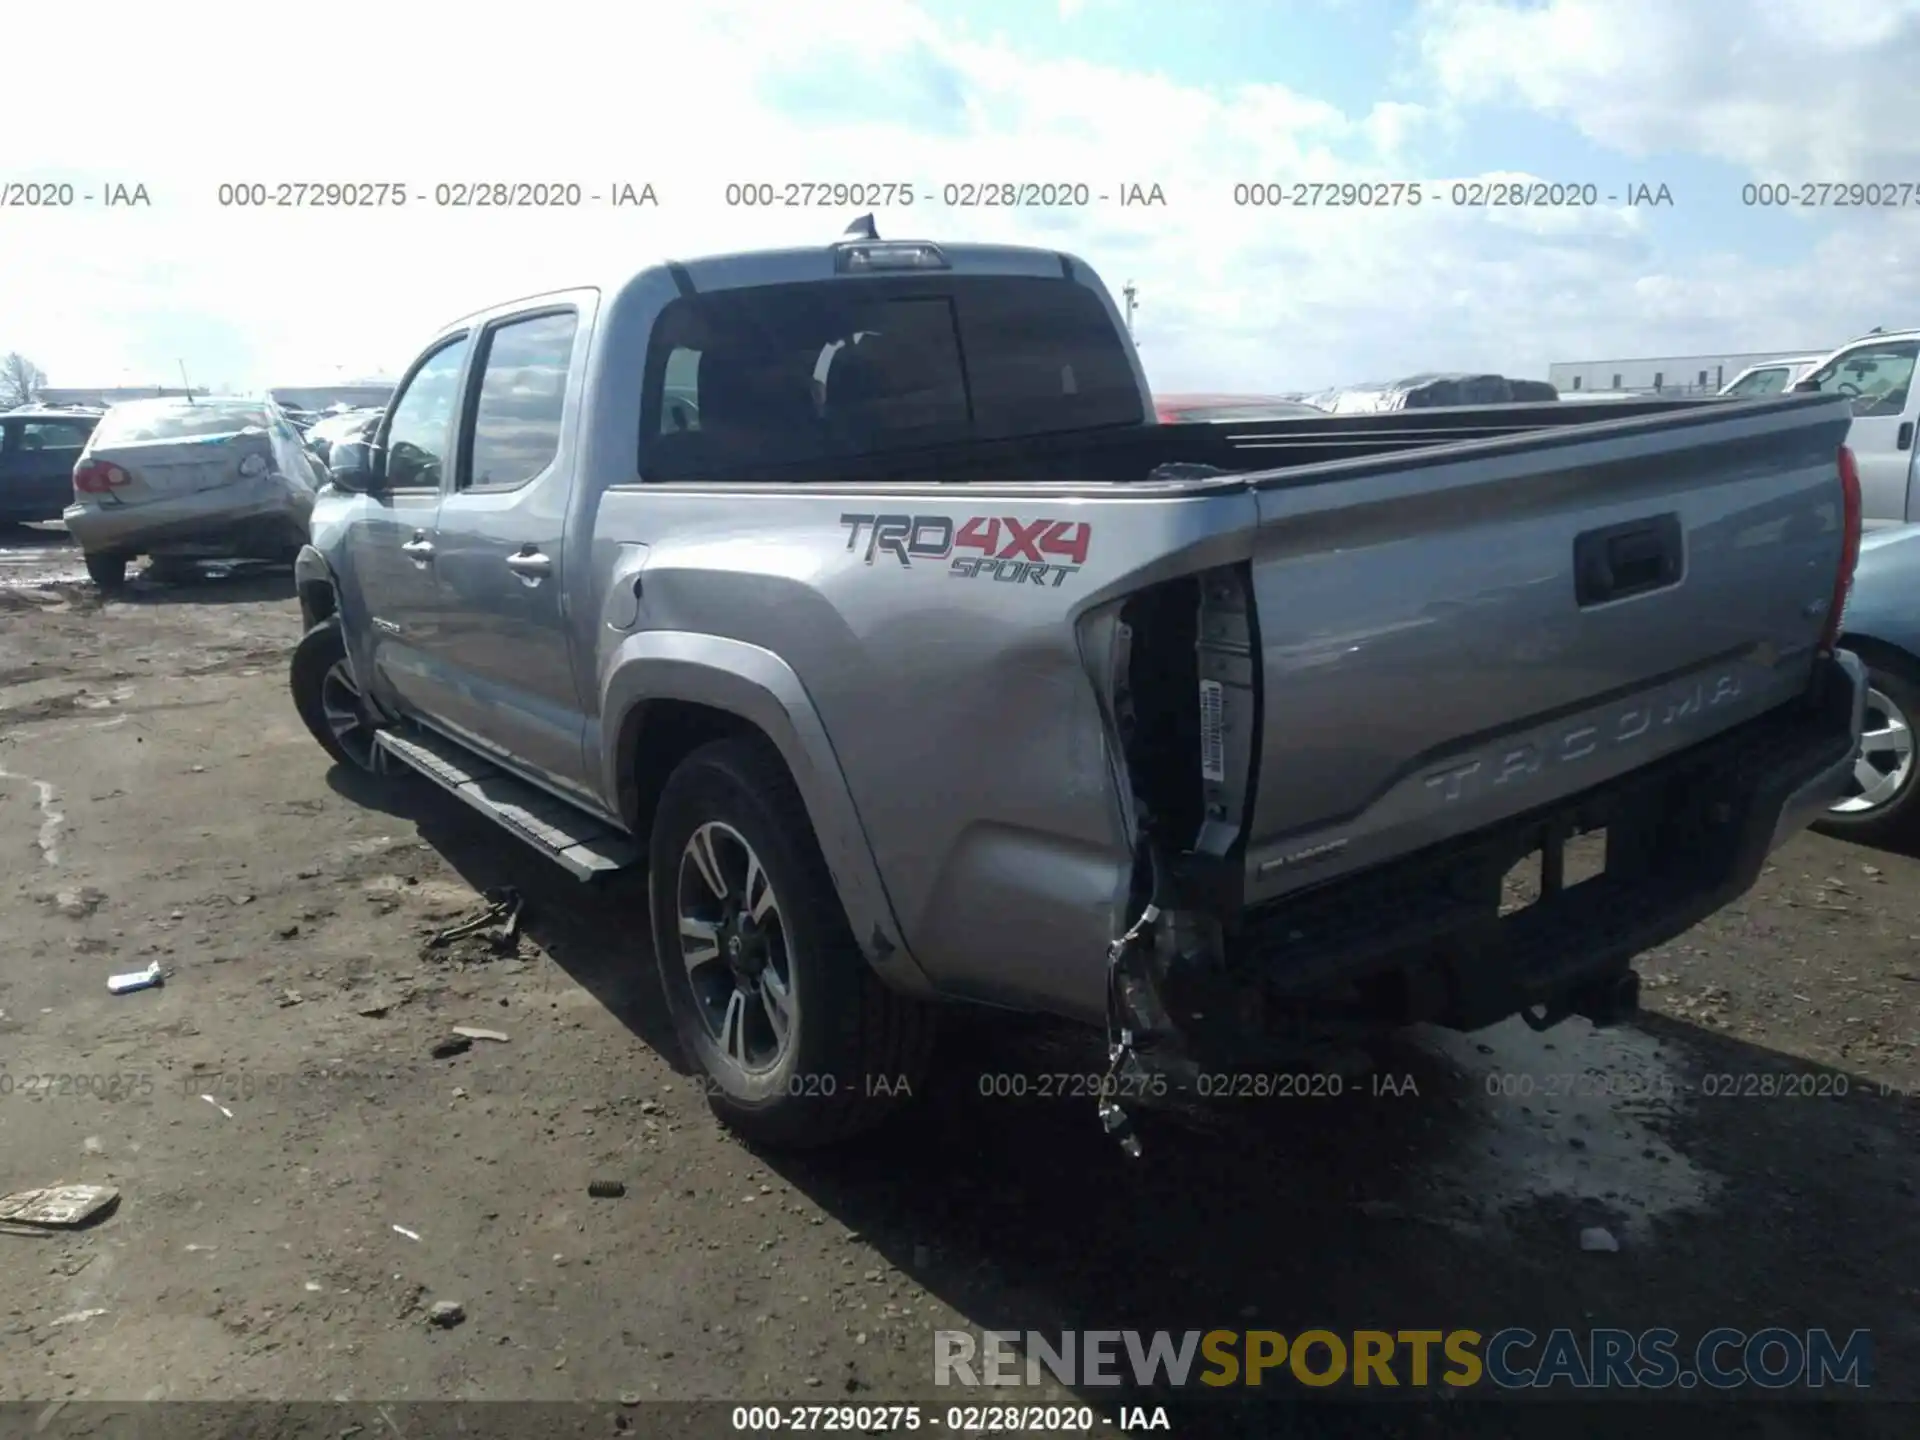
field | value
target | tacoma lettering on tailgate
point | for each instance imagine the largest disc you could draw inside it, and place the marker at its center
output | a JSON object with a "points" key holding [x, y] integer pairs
{"points": [[1005, 549], [1520, 761]]}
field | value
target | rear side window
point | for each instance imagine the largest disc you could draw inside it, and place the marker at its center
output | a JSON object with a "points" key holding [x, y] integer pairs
{"points": [[54, 435], [137, 424], [523, 390], [862, 367]]}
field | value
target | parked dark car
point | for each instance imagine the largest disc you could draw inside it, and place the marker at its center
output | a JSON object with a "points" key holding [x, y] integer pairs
{"points": [[38, 448], [1882, 627]]}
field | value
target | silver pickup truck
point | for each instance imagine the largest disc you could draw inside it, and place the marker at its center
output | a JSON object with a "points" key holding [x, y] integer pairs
{"points": [[853, 595]]}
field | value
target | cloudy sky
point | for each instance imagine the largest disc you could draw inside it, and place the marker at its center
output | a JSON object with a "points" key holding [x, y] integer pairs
{"points": [[1704, 97]]}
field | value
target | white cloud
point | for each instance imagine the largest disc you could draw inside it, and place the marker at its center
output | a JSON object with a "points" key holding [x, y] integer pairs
{"points": [[860, 91], [1795, 89]]}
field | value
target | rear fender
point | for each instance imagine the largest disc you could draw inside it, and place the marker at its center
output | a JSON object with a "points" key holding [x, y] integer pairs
{"points": [[759, 687]]}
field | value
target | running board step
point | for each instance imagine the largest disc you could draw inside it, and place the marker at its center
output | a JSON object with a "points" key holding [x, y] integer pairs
{"points": [[578, 842]]}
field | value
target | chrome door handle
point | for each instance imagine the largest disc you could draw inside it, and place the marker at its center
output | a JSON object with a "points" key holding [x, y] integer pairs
{"points": [[530, 563], [419, 548]]}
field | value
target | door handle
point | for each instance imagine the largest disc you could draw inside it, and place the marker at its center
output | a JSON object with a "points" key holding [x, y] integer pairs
{"points": [[530, 564], [1904, 439], [419, 548]]}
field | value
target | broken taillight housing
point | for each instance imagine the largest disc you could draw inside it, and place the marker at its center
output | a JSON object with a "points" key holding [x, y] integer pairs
{"points": [[1850, 524]]}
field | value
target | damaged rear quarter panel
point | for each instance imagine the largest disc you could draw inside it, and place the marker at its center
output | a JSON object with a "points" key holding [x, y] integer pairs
{"points": [[958, 704]]}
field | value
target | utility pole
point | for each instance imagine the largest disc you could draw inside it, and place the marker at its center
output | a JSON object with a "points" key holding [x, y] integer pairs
{"points": [[1132, 296]]}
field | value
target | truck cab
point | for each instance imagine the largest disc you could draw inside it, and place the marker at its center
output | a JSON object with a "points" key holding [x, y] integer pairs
{"points": [[1876, 374]]}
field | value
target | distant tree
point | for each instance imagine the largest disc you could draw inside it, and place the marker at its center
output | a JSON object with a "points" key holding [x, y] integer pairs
{"points": [[20, 380]]}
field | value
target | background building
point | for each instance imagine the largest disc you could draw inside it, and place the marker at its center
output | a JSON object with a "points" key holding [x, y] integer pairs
{"points": [[1665, 375]]}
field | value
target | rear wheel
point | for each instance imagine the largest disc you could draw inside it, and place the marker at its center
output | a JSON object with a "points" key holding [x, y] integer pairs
{"points": [[329, 699], [1879, 804], [800, 1042], [109, 572]]}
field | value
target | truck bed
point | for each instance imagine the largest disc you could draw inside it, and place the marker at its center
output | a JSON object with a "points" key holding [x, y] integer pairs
{"points": [[1431, 653], [1129, 455]]}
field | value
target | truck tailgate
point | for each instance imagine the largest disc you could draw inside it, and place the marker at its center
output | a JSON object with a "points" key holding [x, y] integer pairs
{"points": [[1450, 638]]}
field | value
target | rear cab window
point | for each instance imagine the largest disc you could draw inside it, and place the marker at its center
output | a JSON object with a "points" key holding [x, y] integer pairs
{"points": [[825, 370]]}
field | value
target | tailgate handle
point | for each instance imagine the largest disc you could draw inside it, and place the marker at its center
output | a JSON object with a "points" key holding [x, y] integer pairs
{"points": [[1624, 560]]}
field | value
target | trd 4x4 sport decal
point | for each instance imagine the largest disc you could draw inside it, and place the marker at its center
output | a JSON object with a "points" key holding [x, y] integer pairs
{"points": [[1015, 552]]}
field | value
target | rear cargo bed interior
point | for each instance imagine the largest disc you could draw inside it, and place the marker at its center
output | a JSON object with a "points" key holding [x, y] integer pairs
{"points": [[1130, 455]]}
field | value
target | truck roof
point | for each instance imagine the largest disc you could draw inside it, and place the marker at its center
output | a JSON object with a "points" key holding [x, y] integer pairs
{"points": [[796, 264]]}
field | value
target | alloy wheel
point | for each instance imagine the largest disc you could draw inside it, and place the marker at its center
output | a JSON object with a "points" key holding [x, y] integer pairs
{"points": [[733, 942], [1885, 760]]}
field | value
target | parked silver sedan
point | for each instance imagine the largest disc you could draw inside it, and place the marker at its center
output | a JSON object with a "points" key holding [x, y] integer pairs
{"points": [[183, 480], [1881, 624]]}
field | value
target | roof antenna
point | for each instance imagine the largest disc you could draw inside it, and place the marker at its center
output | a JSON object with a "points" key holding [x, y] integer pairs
{"points": [[862, 229], [185, 384]]}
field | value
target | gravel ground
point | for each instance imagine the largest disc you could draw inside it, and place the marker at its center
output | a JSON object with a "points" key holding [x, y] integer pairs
{"points": [[302, 1180]]}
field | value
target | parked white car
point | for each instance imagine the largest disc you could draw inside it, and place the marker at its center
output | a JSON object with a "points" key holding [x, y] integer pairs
{"points": [[1770, 377], [1876, 373]]}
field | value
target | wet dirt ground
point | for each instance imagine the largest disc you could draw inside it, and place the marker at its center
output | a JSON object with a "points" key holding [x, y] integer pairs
{"points": [[300, 1180]]}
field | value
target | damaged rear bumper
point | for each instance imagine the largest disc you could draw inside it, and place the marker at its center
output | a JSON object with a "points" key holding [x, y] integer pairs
{"points": [[260, 518], [1424, 939]]}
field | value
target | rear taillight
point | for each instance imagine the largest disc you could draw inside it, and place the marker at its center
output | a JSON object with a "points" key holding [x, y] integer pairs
{"points": [[1850, 522], [98, 477]]}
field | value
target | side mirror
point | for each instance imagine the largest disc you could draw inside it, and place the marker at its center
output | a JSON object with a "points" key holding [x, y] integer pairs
{"points": [[354, 465]]}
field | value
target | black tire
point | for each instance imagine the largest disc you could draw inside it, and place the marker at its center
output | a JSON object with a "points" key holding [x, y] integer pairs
{"points": [[1893, 682], [167, 570], [109, 572], [319, 661], [858, 1050]]}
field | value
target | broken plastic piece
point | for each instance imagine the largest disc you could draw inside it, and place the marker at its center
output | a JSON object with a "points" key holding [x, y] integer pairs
{"points": [[1113, 1118], [502, 916], [1120, 1127], [58, 1207], [133, 980]]}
